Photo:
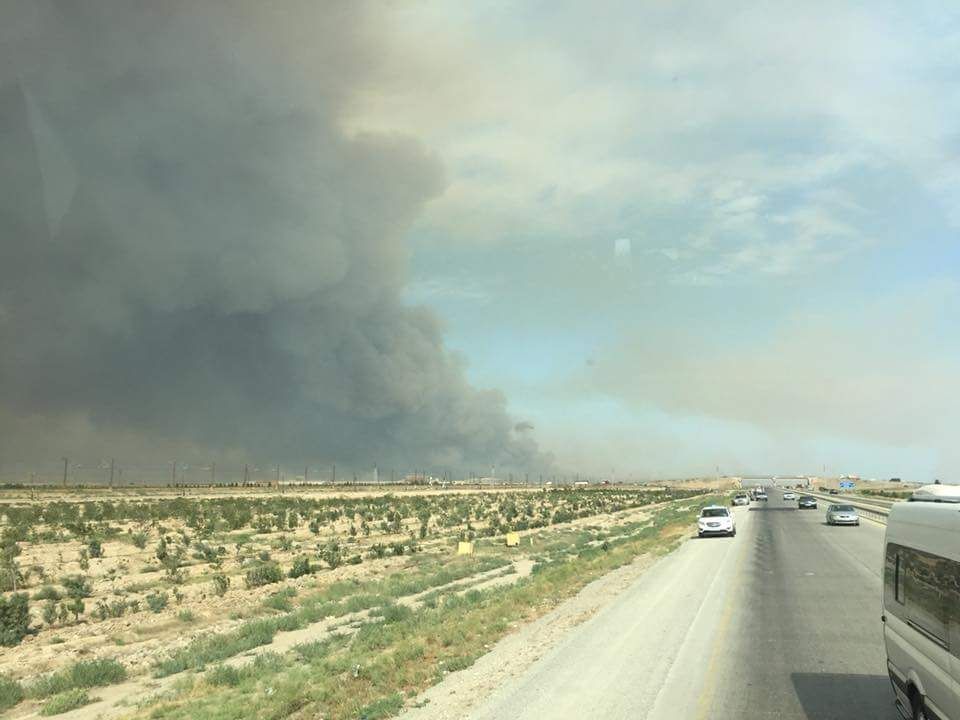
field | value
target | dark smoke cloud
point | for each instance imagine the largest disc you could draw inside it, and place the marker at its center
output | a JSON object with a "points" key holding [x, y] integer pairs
{"points": [[195, 253]]}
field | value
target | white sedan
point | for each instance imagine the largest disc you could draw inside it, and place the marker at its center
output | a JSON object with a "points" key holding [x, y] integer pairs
{"points": [[716, 520]]}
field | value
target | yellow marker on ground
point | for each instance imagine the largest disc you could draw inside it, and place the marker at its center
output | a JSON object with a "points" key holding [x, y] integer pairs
{"points": [[464, 548], [513, 539]]}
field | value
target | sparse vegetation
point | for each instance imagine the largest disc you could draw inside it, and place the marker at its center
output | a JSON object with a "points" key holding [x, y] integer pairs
{"points": [[177, 561], [221, 583], [65, 701], [83, 674], [263, 574], [14, 619], [11, 692], [363, 675], [301, 566], [157, 601]]}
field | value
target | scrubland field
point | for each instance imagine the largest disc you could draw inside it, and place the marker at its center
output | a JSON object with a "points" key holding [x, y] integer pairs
{"points": [[305, 603]]}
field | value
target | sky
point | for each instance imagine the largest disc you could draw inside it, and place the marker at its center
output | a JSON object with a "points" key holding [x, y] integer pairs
{"points": [[625, 239], [683, 236]]}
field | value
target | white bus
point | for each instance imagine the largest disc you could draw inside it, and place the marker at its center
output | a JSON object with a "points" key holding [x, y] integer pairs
{"points": [[921, 603]]}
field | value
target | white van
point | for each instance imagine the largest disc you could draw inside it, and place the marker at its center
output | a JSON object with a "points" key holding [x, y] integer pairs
{"points": [[921, 603]]}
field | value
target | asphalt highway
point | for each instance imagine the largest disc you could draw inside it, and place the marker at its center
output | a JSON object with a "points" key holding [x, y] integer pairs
{"points": [[781, 621]]}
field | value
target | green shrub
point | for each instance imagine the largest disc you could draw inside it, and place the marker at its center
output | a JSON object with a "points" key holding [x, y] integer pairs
{"points": [[279, 601], [186, 616], [314, 650], [395, 613], [50, 612], [114, 609], [264, 574], [221, 583], [383, 708], [223, 675], [212, 648], [47, 592], [76, 586], [82, 674], [95, 548], [458, 663], [157, 601], [14, 619], [331, 554], [301, 566], [69, 700], [11, 692], [75, 606]]}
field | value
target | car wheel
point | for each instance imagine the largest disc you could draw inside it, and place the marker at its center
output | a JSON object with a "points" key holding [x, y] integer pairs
{"points": [[919, 708], [857, 523], [733, 533]]}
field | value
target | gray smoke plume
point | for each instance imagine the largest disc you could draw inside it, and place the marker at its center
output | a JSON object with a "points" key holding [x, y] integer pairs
{"points": [[193, 252]]}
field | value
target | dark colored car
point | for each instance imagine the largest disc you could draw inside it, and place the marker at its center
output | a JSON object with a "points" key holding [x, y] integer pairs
{"points": [[834, 491], [806, 502]]}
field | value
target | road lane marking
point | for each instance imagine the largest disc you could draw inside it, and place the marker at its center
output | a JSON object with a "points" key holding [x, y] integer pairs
{"points": [[705, 704]]}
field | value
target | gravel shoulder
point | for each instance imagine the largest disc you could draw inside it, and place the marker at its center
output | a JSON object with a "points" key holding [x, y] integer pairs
{"points": [[461, 692]]}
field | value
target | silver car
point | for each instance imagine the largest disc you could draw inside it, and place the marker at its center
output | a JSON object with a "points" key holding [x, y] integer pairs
{"points": [[842, 515]]}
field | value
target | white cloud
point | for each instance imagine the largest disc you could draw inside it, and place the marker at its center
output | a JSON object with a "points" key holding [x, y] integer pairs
{"points": [[704, 116], [449, 288]]}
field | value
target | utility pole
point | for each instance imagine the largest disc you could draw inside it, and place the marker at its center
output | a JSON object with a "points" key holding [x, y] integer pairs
{"points": [[278, 476], [111, 471], [246, 473], [334, 480], [174, 472], [66, 463], [305, 469]]}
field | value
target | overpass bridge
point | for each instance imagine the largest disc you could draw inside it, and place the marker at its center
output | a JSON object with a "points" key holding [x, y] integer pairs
{"points": [[748, 481]]}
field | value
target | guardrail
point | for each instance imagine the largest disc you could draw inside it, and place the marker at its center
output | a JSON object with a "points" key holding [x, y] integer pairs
{"points": [[867, 499], [877, 511]]}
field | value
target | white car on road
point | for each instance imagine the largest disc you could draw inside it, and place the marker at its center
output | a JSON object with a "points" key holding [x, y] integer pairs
{"points": [[716, 520], [789, 495]]}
